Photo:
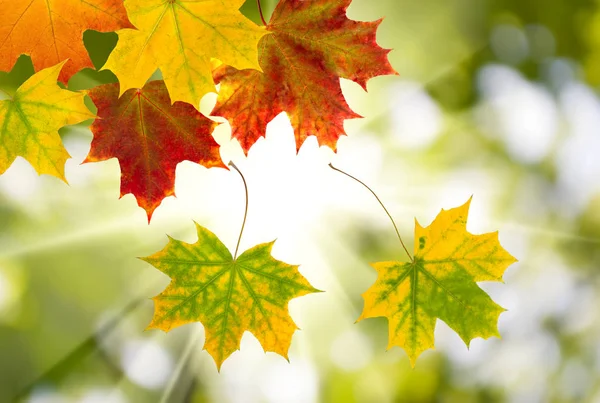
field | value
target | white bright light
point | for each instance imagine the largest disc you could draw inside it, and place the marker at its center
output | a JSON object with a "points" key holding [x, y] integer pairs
{"points": [[103, 396], [559, 72], [287, 383], [416, 117], [577, 157], [20, 182], [575, 379], [46, 395], [146, 363], [351, 350], [521, 113]]}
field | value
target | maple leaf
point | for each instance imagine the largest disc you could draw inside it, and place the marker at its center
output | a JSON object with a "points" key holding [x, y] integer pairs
{"points": [[440, 282], [180, 37], [29, 123], [51, 31], [227, 295], [312, 44], [149, 136]]}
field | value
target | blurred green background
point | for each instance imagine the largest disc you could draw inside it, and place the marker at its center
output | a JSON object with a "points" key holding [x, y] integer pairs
{"points": [[495, 99]]}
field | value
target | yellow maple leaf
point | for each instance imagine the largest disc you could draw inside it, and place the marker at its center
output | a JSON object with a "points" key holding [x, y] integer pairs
{"points": [[439, 282], [180, 37], [29, 122]]}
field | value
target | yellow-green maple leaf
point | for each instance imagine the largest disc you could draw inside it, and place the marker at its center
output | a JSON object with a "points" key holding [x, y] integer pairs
{"points": [[180, 37], [440, 282], [29, 122], [228, 296]]}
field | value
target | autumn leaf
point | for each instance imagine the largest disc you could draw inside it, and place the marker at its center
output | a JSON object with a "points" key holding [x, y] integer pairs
{"points": [[180, 37], [149, 137], [29, 123], [312, 45], [51, 31], [440, 282], [227, 295]]}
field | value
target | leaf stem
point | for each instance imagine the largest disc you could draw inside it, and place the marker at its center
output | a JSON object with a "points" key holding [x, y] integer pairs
{"points": [[260, 11], [382, 205], [231, 164]]}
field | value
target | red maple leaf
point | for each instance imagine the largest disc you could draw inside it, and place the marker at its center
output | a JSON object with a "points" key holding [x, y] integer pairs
{"points": [[312, 44], [149, 137]]}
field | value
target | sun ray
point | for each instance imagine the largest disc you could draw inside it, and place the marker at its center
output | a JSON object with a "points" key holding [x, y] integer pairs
{"points": [[548, 232], [183, 360], [84, 349], [63, 239]]}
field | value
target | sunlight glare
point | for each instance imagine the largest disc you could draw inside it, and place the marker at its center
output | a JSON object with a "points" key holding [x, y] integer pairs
{"points": [[146, 363]]}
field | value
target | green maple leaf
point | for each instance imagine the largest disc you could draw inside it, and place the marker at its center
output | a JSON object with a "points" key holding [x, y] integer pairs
{"points": [[227, 295], [30, 120]]}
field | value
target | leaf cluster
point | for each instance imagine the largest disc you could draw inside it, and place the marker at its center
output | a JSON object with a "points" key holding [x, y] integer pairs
{"points": [[293, 64]]}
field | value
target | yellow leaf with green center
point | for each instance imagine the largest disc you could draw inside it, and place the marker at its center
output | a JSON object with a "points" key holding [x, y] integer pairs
{"points": [[29, 122], [439, 283], [228, 296], [180, 37]]}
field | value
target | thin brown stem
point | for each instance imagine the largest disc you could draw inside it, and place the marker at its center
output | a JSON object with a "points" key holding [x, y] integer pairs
{"points": [[382, 205], [260, 11], [237, 247]]}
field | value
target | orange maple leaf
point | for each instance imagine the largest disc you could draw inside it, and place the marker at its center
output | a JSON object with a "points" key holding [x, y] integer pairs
{"points": [[51, 31], [312, 44]]}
